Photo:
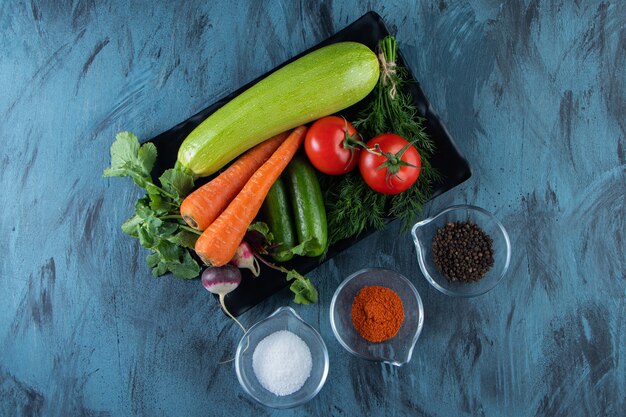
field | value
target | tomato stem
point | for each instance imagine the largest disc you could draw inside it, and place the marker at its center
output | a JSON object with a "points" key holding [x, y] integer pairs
{"points": [[351, 142], [393, 163]]}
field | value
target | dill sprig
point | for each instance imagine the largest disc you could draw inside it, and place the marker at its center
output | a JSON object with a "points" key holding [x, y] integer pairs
{"points": [[354, 207]]}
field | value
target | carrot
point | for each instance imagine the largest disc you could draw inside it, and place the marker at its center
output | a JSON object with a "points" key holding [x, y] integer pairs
{"points": [[218, 243], [202, 207]]}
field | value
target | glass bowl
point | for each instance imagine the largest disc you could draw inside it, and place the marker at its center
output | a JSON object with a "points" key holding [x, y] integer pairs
{"points": [[285, 318], [424, 231], [395, 351]]}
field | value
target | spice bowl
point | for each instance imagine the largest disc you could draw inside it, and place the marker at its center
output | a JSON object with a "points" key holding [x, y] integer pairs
{"points": [[397, 350], [424, 232], [284, 318]]}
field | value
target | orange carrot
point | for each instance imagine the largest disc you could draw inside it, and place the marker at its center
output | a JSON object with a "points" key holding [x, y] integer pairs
{"points": [[202, 207], [220, 240]]}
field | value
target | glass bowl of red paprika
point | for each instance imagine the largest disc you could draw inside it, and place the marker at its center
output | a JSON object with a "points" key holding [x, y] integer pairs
{"points": [[377, 314]]}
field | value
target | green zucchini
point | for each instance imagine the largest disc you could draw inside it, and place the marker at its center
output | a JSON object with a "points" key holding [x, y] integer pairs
{"points": [[320, 83], [308, 206], [276, 212]]}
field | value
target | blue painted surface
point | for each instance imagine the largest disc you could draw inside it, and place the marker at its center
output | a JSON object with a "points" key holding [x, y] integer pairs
{"points": [[534, 93]]}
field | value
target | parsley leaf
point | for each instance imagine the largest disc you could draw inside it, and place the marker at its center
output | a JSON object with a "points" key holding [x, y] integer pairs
{"points": [[305, 292], [129, 159], [263, 229], [177, 183], [300, 249]]}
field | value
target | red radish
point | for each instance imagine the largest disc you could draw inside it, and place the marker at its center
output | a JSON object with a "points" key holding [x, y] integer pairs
{"points": [[222, 280], [244, 258]]}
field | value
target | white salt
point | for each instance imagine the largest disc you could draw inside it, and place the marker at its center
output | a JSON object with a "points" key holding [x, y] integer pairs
{"points": [[282, 362]]}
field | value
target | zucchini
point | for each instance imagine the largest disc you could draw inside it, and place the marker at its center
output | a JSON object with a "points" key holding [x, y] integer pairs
{"points": [[320, 83], [276, 212], [308, 206]]}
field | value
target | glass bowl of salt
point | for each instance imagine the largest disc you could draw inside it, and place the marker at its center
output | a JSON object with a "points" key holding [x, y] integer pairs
{"points": [[282, 361]]}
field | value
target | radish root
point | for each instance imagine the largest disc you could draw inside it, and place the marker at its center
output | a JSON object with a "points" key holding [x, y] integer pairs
{"points": [[221, 296], [228, 313]]}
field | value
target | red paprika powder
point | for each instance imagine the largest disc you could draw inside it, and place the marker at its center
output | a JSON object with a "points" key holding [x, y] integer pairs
{"points": [[377, 313]]}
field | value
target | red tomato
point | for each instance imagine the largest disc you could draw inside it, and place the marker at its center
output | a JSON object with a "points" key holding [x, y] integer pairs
{"points": [[394, 168], [329, 148]]}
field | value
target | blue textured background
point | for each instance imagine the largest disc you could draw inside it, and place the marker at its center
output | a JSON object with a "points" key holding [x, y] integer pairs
{"points": [[534, 92]]}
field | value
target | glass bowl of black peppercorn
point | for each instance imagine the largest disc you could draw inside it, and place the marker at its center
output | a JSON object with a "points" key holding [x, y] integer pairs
{"points": [[463, 251]]}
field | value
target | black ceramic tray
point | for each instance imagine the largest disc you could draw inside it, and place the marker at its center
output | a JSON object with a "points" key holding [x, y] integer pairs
{"points": [[454, 168]]}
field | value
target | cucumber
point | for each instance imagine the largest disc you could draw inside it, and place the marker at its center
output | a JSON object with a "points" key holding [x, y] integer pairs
{"points": [[320, 83], [276, 212], [308, 206]]}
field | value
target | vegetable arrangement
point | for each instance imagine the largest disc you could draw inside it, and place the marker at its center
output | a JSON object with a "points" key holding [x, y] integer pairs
{"points": [[269, 201]]}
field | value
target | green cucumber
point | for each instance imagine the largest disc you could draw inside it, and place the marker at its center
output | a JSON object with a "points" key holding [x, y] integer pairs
{"points": [[320, 83], [276, 212], [308, 206]]}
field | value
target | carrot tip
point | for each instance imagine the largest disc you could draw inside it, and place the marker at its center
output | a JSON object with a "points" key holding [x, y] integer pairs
{"points": [[191, 222]]}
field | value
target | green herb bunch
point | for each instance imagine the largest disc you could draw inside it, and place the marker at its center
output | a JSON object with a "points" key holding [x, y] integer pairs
{"points": [[157, 222]]}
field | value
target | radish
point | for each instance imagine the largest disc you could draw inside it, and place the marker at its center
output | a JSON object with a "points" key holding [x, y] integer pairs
{"points": [[244, 258], [222, 280]]}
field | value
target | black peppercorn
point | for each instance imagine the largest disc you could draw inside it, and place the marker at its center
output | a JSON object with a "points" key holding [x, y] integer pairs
{"points": [[462, 251]]}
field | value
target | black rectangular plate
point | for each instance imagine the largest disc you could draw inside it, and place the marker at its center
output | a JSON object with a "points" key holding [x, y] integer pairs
{"points": [[368, 30]]}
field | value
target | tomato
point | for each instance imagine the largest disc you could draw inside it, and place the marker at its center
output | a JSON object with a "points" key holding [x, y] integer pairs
{"points": [[395, 166], [330, 148]]}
